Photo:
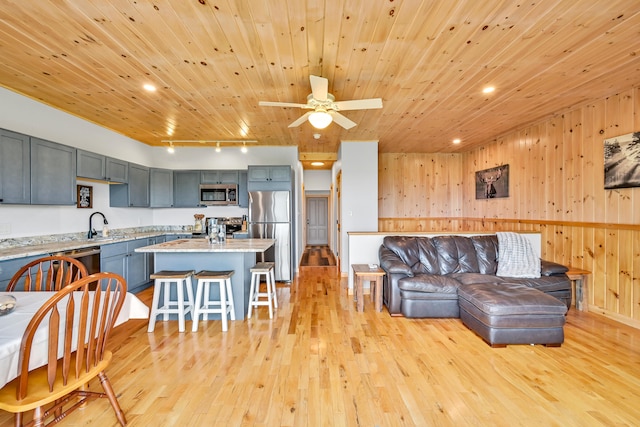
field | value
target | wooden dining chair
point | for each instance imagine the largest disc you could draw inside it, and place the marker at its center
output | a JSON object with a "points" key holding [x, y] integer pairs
{"points": [[50, 273], [76, 322]]}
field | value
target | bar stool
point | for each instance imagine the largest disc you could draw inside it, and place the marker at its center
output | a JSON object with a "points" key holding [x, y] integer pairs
{"points": [[204, 305], [162, 283], [265, 269]]}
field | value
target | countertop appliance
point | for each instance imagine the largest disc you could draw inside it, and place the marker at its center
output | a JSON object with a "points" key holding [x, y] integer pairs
{"points": [[232, 224], [218, 194], [270, 218]]}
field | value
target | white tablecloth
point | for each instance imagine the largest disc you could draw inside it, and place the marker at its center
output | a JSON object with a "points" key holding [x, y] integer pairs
{"points": [[13, 325]]}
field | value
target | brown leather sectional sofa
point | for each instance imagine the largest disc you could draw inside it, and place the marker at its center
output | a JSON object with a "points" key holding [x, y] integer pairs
{"points": [[423, 274]]}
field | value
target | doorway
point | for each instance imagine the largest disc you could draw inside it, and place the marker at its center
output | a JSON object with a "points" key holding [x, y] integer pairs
{"points": [[317, 220]]}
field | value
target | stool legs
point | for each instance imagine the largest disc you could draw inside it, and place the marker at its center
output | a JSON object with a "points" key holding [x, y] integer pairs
{"points": [[178, 306], [270, 294], [205, 306]]}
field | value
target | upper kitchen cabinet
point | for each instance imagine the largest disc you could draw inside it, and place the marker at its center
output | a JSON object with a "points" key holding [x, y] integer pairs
{"points": [[243, 193], [219, 177], [186, 189], [117, 170], [135, 193], [15, 168], [269, 173], [53, 173], [269, 178], [103, 168], [161, 188]]}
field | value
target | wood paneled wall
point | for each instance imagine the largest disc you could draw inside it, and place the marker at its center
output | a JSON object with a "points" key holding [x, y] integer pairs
{"points": [[556, 185]]}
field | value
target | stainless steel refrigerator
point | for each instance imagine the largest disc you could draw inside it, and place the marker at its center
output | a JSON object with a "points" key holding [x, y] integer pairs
{"points": [[270, 218]]}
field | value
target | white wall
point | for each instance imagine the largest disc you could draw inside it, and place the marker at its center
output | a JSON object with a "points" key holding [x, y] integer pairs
{"points": [[317, 181], [25, 115], [359, 195]]}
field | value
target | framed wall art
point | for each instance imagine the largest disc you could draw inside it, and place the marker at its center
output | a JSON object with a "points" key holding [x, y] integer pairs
{"points": [[85, 196], [492, 183], [622, 161]]}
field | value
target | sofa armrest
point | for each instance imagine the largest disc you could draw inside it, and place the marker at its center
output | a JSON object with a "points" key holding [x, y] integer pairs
{"points": [[550, 268], [392, 264]]}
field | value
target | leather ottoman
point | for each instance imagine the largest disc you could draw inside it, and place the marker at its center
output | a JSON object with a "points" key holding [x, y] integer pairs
{"points": [[509, 313]]}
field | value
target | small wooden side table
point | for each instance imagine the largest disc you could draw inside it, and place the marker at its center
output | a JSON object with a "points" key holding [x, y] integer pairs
{"points": [[362, 272], [581, 280]]}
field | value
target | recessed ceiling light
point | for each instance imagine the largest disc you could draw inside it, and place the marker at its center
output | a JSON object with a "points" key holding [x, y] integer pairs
{"points": [[149, 87], [317, 163], [456, 141], [488, 89]]}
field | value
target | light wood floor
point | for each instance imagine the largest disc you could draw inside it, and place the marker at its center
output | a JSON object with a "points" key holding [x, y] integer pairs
{"points": [[321, 363]]}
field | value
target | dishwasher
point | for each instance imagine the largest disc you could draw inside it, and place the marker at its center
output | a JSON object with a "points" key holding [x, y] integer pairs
{"points": [[90, 257]]}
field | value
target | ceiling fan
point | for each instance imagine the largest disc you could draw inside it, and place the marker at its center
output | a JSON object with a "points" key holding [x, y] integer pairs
{"points": [[324, 106]]}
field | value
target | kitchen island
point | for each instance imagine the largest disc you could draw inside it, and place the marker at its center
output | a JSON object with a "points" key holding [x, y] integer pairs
{"points": [[238, 255]]}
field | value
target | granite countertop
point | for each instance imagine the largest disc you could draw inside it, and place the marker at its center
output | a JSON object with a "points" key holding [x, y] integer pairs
{"points": [[202, 245], [34, 247]]}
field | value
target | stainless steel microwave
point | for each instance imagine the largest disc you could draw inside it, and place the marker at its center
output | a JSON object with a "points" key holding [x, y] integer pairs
{"points": [[218, 194]]}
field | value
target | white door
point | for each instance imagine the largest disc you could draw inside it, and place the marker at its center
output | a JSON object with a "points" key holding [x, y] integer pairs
{"points": [[317, 221]]}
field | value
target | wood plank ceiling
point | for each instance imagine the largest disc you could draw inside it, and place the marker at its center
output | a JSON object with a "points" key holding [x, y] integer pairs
{"points": [[213, 60]]}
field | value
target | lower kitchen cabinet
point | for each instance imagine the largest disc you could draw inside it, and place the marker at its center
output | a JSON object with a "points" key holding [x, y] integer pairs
{"points": [[10, 267], [121, 258]]}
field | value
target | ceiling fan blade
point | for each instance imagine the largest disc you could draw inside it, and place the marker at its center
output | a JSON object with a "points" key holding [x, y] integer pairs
{"points": [[342, 120], [300, 120], [281, 104], [319, 87], [359, 104]]}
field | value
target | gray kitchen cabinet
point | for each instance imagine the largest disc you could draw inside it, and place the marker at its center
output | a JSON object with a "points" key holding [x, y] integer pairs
{"points": [[15, 168], [9, 267], [269, 173], [121, 258], [116, 170], [150, 256], [172, 237], [243, 192], [160, 188], [137, 266], [90, 165], [53, 173], [96, 166], [133, 194], [219, 177], [113, 258], [269, 178], [186, 189]]}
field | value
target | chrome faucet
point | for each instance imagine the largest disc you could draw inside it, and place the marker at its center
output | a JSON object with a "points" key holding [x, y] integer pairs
{"points": [[92, 231]]}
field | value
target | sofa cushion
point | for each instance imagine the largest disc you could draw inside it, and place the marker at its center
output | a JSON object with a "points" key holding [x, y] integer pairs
{"points": [[487, 252], [469, 278], [456, 254], [544, 283], [507, 299], [430, 283], [549, 268]]}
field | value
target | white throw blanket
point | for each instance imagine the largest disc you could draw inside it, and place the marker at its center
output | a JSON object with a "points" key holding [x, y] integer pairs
{"points": [[516, 257]]}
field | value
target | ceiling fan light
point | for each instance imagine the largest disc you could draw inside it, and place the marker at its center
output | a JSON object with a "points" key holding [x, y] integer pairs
{"points": [[320, 119]]}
